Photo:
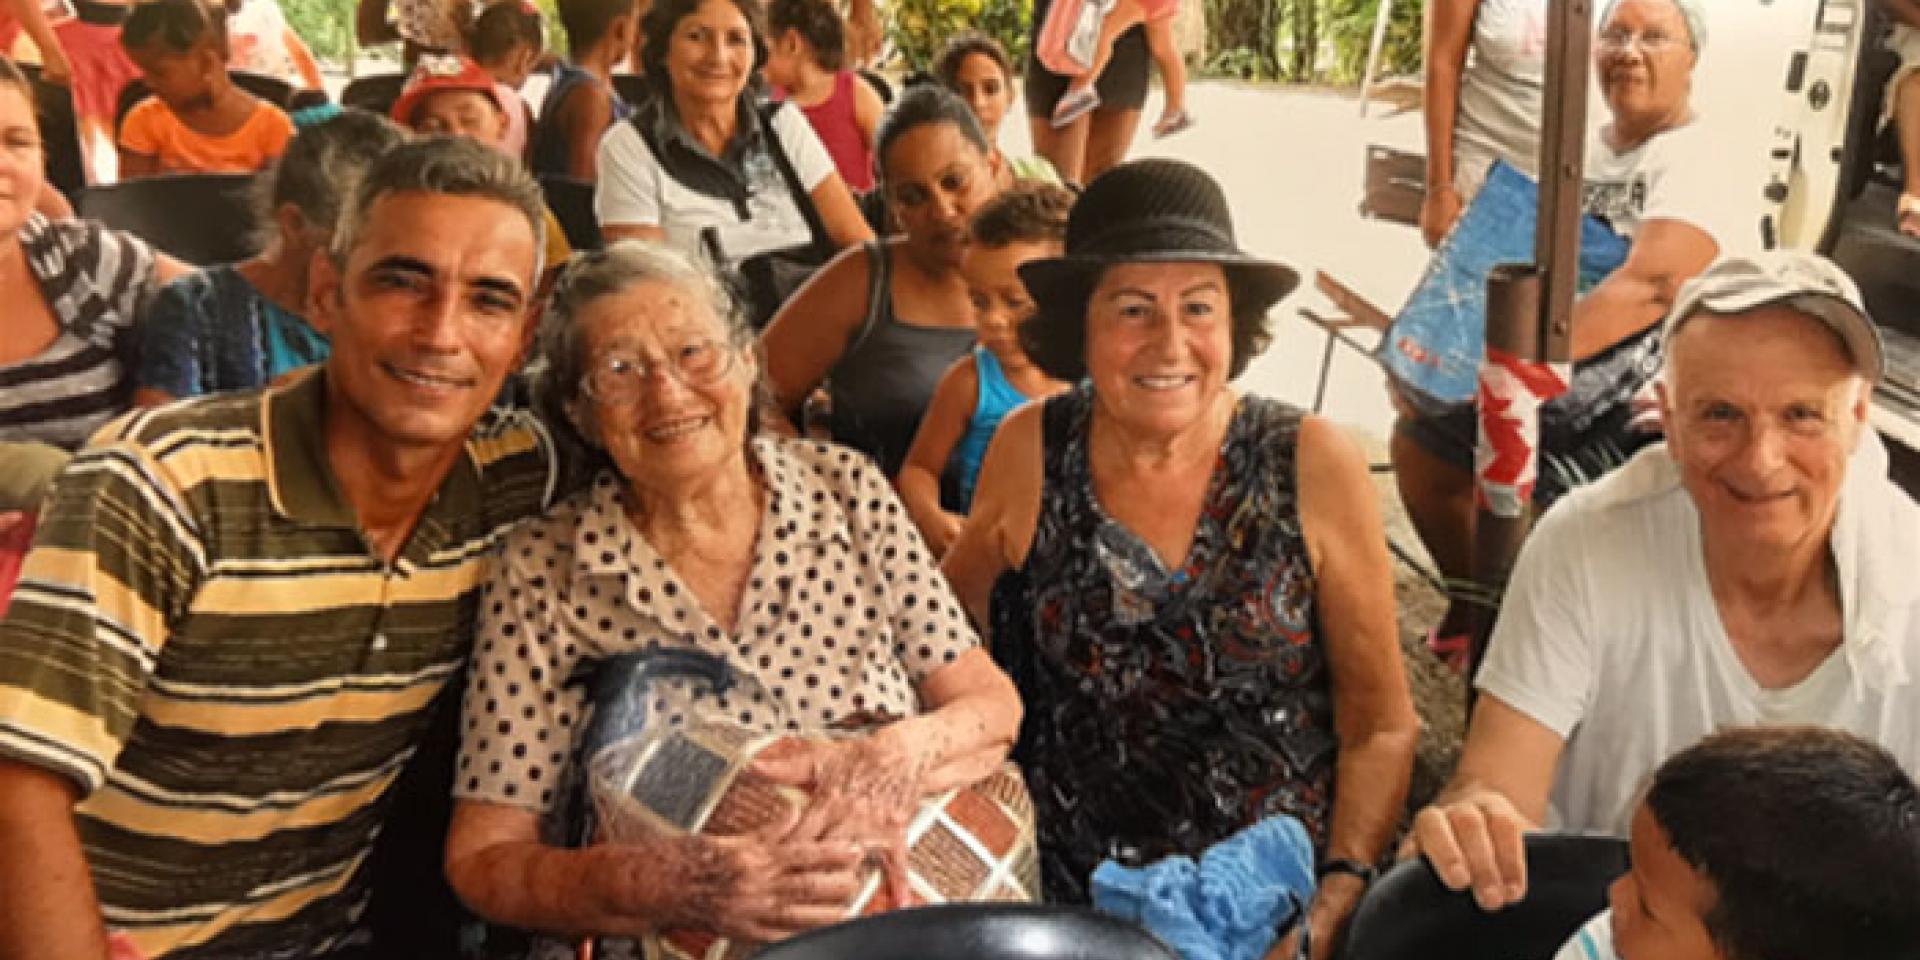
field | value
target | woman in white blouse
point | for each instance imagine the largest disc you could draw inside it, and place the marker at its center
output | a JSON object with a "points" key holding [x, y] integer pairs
{"points": [[702, 156]]}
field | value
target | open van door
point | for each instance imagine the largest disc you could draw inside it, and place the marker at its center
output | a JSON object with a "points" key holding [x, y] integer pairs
{"points": [[1842, 184]]}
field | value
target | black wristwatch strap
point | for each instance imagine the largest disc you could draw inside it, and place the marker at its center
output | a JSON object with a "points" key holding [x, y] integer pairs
{"points": [[1350, 867]]}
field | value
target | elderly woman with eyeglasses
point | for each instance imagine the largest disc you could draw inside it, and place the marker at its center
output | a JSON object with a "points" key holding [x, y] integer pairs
{"points": [[789, 560]]}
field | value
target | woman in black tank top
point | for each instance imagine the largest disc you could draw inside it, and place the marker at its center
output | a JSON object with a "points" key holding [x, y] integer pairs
{"points": [[880, 323]]}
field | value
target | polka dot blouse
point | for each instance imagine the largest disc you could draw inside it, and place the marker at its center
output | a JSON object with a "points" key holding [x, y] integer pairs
{"points": [[845, 612]]}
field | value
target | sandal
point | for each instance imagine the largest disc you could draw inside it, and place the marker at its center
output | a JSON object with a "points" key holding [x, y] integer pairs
{"points": [[1073, 106], [1172, 123], [1907, 216]]}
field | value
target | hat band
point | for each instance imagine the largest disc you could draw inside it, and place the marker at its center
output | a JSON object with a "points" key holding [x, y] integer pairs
{"points": [[1160, 234]]}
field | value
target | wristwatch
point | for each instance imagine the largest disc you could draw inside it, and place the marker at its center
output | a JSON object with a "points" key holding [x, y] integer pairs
{"points": [[1350, 867]]}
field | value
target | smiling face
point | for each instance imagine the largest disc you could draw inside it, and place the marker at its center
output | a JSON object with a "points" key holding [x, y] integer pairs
{"points": [[1762, 410], [1660, 904], [1000, 300], [461, 113], [667, 393], [935, 179], [1159, 343], [1644, 58], [984, 86], [22, 162], [710, 55], [428, 315]]}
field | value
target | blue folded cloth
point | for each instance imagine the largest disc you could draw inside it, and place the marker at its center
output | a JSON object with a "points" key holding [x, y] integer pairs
{"points": [[1230, 905]]}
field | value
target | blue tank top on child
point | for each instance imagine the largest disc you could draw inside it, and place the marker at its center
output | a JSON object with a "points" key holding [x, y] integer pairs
{"points": [[997, 398]]}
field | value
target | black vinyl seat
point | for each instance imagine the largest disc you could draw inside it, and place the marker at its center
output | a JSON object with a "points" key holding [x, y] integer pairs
{"points": [[59, 133], [374, 92], [1410, 915], [632, 87], [202, 218], [976, 931], [571, 200]]}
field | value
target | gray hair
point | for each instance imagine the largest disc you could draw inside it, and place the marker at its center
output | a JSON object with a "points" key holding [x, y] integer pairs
{"points": [[1690, 10], [560, 357], [458, 166], [321, 166]]}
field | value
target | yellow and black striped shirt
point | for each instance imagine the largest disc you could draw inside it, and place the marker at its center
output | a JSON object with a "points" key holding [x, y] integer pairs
{"points": [[204, 641]]}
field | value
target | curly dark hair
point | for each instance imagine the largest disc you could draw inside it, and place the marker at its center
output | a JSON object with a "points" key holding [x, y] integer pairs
{"points": [[656, 30], [818, 23], [1058, 344], [1030, 211]]}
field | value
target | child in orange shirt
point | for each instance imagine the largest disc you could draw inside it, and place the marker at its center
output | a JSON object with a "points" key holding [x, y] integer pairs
{"points": [[197, 120]]}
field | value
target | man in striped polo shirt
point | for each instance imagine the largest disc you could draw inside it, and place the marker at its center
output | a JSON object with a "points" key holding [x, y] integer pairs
{"points": [[238, 609]]}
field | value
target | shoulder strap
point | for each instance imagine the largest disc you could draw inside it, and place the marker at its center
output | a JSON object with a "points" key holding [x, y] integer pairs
{"points": [[879, 288], [821, 239]]}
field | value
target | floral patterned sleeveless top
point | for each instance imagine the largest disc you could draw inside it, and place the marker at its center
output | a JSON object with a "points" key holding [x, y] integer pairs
{"points": [[1167, 709]]}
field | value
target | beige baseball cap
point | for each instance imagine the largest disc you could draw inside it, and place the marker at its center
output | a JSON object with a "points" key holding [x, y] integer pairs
{"points": [[1807, 282]]}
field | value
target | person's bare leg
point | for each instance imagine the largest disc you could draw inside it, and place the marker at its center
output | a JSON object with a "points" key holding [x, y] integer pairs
{"points": [[1906, 120], [1109, 138], [1064, 147], [1439, 499], [1124, 14], [1173, 76]]}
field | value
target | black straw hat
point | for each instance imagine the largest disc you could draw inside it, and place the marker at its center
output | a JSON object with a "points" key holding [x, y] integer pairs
{"points": [[1150, 211]]}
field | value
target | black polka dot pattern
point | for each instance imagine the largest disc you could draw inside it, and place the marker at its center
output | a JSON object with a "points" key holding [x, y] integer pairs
{"points": [[845, 612]]}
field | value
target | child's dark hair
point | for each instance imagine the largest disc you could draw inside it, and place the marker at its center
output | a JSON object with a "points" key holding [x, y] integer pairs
{"points": [[503, 27], [1030, 211], [819, 24], [965, 44], [587, 21], [173, 26]]}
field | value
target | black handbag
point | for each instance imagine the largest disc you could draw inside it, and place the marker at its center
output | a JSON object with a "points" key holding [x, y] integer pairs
{"points": [[768, 278]]}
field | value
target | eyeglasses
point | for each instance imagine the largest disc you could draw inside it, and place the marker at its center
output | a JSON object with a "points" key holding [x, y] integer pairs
{"points": [[1617, 41], [618, 377]]}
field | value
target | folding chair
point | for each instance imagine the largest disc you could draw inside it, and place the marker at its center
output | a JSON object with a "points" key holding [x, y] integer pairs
{"points": [[202, 218], [1410, 915]]}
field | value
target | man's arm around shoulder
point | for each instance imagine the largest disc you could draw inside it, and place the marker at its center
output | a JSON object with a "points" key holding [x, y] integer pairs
{"points": [[51, 911]]}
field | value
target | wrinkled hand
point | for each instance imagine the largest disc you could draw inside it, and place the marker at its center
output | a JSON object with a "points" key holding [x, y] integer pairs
{"points": [[1437, 214], [1476, 841], [761, 887], [864, 789]]}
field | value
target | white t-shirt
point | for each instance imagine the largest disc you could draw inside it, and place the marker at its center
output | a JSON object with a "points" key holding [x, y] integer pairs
{"points": [[1500, 91], [1670, 176], [635, 190], [257, 42], [1609, 635]]}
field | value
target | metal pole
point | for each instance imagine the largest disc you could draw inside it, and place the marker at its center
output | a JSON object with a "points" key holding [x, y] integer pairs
{"points": [[1382, 15], [1530, 306]]}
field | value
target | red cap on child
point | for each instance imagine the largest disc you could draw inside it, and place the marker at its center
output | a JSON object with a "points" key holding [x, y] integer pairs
{"points": [[437, 72]]}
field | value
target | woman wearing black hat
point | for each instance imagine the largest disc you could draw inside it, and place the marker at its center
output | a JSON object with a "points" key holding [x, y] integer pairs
{"points": [[1190, 584]]}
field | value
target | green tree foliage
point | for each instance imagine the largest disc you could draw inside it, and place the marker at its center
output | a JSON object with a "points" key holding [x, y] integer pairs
{"points": [[326, 25], [1307, 41], [919, 28]]}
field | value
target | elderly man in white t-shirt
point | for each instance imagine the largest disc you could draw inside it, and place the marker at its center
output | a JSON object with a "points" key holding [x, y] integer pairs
{"points": [[1757, 567]]}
